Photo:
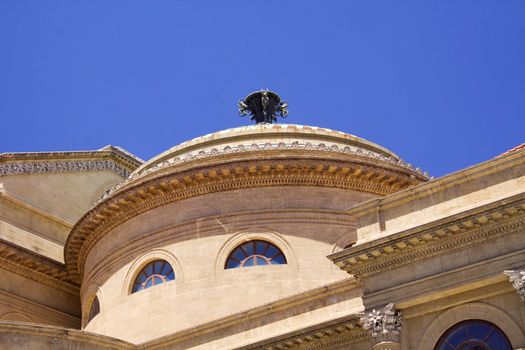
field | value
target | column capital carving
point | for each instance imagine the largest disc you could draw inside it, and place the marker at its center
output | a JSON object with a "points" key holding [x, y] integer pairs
{"points": [[517, 278], [384, 324]]}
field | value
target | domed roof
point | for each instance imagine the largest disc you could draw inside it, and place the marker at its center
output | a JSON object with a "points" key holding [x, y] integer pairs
{"points": [[260, 155], [261, 134]]}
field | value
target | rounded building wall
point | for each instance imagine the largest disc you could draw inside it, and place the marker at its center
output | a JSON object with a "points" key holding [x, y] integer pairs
{"points": [[196, 237], [288, 186]]}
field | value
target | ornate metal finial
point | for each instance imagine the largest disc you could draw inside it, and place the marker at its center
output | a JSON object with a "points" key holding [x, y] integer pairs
{"points": [[263, 106], [384, 324], [517, 278]]}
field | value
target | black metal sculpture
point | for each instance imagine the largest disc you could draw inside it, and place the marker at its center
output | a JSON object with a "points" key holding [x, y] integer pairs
{"points": [[263, 106]]}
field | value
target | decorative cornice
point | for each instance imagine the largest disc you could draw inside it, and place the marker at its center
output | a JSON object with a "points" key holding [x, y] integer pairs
{"points": [[384, 325], [36, 267], [342, 331], [18, 168], [260, 169], [108, 158], [424, 189], [456, 232], [517, 278], [263, 133], [282, 146]]}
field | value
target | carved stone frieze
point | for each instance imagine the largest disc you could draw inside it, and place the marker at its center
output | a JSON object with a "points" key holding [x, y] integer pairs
{"points": [[42, 167], [296, 145], [384, 325], [517, 278]]}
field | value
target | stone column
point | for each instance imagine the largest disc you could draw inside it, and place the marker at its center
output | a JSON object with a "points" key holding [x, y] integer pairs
{"points": [[517, 278], [385, 326]]}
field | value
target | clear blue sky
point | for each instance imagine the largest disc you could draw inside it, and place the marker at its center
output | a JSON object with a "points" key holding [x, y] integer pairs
{"points": [[441, 83]]}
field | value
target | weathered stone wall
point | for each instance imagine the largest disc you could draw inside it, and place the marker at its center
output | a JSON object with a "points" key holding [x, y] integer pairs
{"points": [[196, 235]]}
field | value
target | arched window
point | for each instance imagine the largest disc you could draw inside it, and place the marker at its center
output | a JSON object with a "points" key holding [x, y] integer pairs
{"points": [[255, 253], [95, 309], [156, 272], [474, 335]]}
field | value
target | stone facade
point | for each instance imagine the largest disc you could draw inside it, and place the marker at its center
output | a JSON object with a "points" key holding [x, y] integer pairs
{"points": [[377, 256]]}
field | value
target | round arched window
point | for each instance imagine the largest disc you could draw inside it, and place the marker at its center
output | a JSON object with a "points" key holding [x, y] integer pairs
{"points": [[474, 335], [255, 253], [156, 272]]}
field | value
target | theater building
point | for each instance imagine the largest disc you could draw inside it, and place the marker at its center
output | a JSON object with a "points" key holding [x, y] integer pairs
{"points": [[268, 236]]}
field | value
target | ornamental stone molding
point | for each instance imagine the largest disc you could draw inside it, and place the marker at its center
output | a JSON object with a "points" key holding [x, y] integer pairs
{"points": [[323, 336], [256, 156], [517, 278], [110, 158], [384, 325], [260, 170], [18, 168], [243, 148], [36, 267], [462, 230]]}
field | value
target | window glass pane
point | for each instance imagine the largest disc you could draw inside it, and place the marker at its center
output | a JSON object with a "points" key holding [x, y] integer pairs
{"points": [[279, 259], [255, 253], [166, 269], [261, 261], [497, 341], [142, 277], [248, 248], [231, 264], [156, 272], [157, 267], [479, 331], [260, 247], [95, 309], [474, 335], [238, 254], [272, 250], [248, 262]]}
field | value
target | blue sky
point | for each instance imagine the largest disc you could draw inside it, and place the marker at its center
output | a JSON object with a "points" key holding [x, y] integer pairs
{"points": [[440, 83]]}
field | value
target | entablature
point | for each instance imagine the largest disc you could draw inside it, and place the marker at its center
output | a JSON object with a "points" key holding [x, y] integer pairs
{"points": [[490, 222]]}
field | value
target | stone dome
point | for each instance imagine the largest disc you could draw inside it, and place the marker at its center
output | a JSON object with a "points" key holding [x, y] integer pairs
{"points": [[288, 185]]}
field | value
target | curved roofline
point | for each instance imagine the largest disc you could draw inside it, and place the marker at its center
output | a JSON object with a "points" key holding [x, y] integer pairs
{"points": [[264, 131]]}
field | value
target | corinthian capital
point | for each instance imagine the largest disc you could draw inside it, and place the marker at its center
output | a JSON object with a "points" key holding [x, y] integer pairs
{"points": [[517, 278], [384, 324]]}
